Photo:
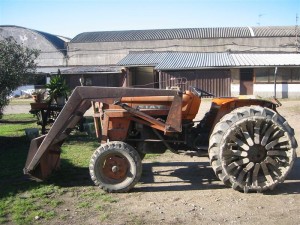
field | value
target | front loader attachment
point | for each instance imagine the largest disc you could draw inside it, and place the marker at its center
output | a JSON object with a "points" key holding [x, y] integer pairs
{"points": [[44, 153], [48, 161]]}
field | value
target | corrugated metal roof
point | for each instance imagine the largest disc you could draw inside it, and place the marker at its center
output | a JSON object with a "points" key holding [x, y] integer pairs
{"points": [[50, 70], [57, 41], [186, 60], [142, 59], [266, 59], [184, 33], [276, 31], [162, 34], [92, 69], [200, 60]]}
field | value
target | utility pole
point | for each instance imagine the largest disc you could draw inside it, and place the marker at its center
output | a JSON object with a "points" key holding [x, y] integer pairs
{"points": [[275, 81], [296, 33]]}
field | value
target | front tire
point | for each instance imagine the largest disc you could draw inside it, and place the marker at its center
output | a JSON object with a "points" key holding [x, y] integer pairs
{"points": [[252, 149], [115, 167]]}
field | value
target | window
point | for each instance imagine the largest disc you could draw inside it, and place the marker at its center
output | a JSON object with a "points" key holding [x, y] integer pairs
{"points": [[262, 75], [266, 75], [235, 76], [295, 75], [283, 75]]}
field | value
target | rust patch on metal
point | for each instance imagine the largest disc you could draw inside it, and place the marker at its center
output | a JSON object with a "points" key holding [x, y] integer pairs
{"points": [[115, 167]]}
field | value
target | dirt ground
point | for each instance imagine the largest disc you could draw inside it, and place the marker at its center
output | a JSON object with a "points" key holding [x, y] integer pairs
{"points": [[177, 189]]}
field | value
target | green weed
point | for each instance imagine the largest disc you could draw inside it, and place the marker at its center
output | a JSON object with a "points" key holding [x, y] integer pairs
{"points": [[152, 156], [84, 205], [103, 217]]}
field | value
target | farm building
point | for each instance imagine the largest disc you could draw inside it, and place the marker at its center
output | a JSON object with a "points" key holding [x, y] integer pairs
{"points": [[225, 61], [52, 47], [223, 74], [52, 50]]}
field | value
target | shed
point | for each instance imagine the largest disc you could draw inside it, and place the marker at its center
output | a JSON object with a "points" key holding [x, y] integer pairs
{"points": [[224, 74]]}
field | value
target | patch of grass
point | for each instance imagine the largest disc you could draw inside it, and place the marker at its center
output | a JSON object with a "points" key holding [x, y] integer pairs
{"points": [[15, 118], [45, 190], [108, 198], [20, 101], [14, 145], [53, 202], [25, 206], [152, 156], [103, 217], [28, 202], [103, 209], [84, 205], [23, 210], [99, 207], [78, 153], [14, 125], [99, 195]]}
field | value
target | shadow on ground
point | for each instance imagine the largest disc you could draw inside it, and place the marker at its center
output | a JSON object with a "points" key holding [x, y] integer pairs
{"points": [[17, 122], [156, 177], [178, 176], [200, 176], [13, 154]]}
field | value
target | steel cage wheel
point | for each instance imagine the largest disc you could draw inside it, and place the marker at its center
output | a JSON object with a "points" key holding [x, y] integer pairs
{"points": [[115, 167], [252, 149]]}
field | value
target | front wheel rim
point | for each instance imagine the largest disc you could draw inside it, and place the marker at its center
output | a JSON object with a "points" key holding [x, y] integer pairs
{"points": [[115, 167]]}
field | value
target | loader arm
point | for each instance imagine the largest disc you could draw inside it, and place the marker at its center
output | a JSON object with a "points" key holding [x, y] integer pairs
{"points": [[44, 153]]}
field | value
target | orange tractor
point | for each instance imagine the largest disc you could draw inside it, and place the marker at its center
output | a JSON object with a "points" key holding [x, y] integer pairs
{"points": [[250, 146]]}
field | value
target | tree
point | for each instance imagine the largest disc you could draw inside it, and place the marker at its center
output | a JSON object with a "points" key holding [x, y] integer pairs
{"points": [[16, 65]]}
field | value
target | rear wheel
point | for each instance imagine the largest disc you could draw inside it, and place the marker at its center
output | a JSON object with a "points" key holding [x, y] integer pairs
{"points": [[115, 167], [252, 149]]}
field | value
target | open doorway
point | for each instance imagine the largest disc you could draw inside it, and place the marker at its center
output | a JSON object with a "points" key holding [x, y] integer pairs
{"points": [[143, 77], [246, 81]]}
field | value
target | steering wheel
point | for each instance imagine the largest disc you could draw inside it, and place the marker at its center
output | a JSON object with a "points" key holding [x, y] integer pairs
{"points": [[201, 93]]}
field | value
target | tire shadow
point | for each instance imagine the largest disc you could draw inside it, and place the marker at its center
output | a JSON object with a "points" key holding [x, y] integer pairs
{"points": [[183, 176], [177, 176]]}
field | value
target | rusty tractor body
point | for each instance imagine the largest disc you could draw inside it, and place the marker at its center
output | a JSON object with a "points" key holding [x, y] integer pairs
{"points": [[250, 146]]}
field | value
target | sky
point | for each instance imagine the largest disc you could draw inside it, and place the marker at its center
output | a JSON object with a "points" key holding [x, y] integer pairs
{"points": [[71, 17]]}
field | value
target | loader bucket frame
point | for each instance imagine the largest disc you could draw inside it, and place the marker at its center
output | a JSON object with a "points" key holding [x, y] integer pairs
{"points": [[44, 153]]}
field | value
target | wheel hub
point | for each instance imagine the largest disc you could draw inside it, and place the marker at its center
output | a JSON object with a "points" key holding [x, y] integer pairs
{"points": [[257, 153], [115, 167]]}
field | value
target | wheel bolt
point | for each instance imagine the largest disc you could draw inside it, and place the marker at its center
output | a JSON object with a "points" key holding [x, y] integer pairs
{"points": [[115, 169]]}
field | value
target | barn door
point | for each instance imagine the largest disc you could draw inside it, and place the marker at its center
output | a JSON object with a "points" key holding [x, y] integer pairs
{"points": [[246, 81], [143, 77]]}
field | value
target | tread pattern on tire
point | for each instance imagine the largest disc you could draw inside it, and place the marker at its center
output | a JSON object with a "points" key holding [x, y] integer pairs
{"points": [[127, 151], [231, 121]]}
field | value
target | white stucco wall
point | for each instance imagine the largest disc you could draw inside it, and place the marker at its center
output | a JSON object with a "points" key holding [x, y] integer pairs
{"points": [[267, 90]]}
